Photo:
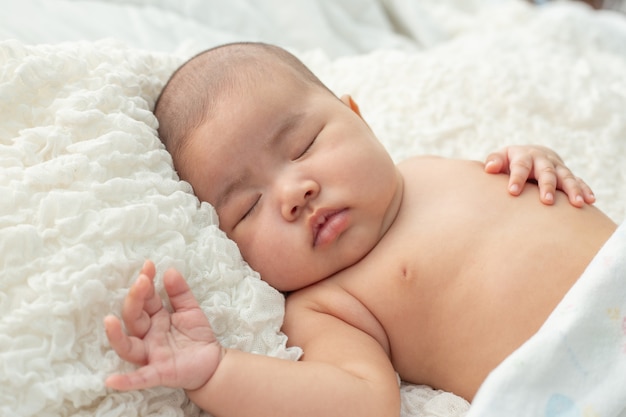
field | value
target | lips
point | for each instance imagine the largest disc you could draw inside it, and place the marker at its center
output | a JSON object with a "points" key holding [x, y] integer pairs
{"points": [[327, 225]]}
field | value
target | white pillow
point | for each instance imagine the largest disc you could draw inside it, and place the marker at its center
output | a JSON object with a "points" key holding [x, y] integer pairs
{"points": [[89, 192]]}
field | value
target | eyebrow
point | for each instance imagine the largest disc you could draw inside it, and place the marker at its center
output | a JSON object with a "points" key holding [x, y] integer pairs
{"points": [[288, 125]]}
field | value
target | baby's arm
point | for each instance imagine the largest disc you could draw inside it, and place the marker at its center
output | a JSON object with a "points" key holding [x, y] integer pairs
{"points": [[344, 372], [539, 163]]}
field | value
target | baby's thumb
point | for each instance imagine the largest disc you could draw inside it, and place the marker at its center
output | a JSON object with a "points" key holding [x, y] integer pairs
{"points": [[495, 163]]}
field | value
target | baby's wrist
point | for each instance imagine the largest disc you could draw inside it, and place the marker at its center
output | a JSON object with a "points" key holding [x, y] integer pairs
{"points": [[196, 387]]}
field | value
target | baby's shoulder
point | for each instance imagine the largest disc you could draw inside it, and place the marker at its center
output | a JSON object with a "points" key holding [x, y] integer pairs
{"points": [[436, 160], [433, 164], [418, 159], [320, 296], [330, 299]]}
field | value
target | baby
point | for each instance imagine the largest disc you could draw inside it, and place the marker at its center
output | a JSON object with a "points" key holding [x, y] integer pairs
{"points": [[427, 268]]}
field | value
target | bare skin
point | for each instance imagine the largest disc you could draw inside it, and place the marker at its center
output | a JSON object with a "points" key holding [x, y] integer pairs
{"points": [[429, 268], [471, 312]]}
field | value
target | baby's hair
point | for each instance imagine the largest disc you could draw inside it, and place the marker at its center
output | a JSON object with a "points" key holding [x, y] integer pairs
{"points": [[194, 90]]}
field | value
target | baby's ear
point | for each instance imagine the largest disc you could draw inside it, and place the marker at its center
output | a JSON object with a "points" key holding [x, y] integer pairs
{"points": [[348, 101]]}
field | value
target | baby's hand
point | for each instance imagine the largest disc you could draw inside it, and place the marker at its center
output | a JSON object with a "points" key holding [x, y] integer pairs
{"points": [[175, 349], [539, 163]]}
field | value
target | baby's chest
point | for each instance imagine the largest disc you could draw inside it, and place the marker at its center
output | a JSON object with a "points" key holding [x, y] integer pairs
{"points": [[390, 287], [405, 282]]}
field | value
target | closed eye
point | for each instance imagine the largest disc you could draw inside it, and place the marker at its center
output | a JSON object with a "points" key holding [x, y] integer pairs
{"points": [[306, 150], [252, 208]]}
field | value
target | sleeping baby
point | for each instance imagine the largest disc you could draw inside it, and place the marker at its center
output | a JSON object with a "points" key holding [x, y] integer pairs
{"points": [[428, 269]]}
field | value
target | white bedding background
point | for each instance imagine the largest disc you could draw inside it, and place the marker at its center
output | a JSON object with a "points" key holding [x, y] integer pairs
{"points": [[87, 192]]}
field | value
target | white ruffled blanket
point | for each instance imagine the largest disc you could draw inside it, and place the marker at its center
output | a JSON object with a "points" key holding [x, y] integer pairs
{"points": [[87, 191]]}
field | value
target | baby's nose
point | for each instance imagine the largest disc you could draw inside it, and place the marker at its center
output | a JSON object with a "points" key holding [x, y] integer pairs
{"points": [[296, 197]]}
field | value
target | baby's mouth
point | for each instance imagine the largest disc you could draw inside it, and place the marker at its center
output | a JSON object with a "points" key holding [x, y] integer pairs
{"points": [[327, 225]]}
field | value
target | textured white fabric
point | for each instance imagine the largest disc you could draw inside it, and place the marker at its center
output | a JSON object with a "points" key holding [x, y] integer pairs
{"points": [[87, 192]]}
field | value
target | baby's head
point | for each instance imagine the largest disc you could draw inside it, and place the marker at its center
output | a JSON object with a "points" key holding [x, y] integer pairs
{"points": [[197, 88], [298, 179]]}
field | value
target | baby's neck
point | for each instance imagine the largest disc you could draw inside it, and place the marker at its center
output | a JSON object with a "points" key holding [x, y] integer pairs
{"points": [[394, 206]]}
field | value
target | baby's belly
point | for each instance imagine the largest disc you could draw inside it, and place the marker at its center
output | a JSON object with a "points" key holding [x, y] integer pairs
{"points": [[472, 283], [456, 331]]}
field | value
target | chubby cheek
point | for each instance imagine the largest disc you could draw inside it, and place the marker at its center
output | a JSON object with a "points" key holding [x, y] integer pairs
{"points": [[269, 252]]}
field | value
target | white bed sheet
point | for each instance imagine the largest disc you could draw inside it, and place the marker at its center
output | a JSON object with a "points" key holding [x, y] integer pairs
{"points": [[339, 28]]}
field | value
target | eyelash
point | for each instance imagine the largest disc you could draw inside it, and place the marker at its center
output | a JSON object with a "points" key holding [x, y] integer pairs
{"points": [[306, 150], [251, 210]]}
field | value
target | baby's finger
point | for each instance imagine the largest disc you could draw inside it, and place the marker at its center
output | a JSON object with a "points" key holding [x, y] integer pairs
{"points": [[142, 378], [520, 168], [148, 269], [153, 301], [128, 348], [546, 176], [572, 186], [588, 194], [141, 303], [496, 162], [180, 295]]}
